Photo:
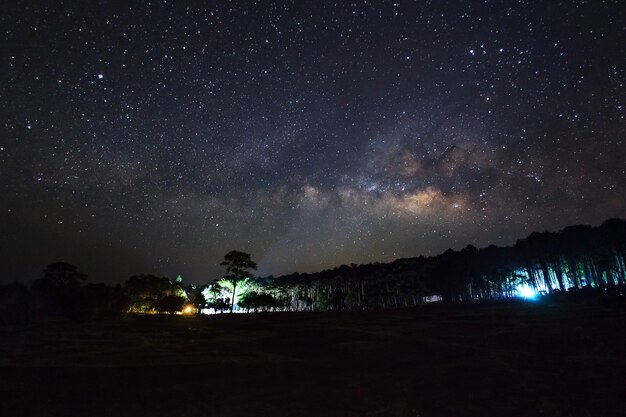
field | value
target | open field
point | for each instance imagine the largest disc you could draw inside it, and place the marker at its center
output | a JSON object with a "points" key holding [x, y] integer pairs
{"points": [[503, 359]]}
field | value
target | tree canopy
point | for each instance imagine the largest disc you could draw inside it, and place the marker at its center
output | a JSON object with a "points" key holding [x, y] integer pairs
{"points": [[238, 266]]}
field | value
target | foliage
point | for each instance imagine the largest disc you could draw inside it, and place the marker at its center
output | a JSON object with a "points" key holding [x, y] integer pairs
{"points": [[198, 301], [577, 259], [238, 266], [100, 300], [170, 304], [57, 293], [146, 292], [14, 305]]}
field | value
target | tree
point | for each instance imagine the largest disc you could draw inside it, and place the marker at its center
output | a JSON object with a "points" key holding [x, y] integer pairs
{"points": [[214, 296], [14, 304], [62, 274], [199, 301], [171, 303], [145, 291], [237, 266], [99, 300], [58, 291]]}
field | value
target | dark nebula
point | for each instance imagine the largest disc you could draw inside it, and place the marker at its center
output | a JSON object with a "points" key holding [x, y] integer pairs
{"points": [[155, 137]]}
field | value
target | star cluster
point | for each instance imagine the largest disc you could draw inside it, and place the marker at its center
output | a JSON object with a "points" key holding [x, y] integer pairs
{"points": [[153, 137]]}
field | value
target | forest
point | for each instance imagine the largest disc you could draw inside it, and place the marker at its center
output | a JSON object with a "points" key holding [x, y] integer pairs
{"points": [[576, 259]]}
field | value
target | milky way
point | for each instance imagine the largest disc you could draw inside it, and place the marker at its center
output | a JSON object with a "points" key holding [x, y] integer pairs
{"points": [[154, 138]]}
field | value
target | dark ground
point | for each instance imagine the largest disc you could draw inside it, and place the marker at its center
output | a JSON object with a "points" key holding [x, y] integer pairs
{"points": [[484, 360]]}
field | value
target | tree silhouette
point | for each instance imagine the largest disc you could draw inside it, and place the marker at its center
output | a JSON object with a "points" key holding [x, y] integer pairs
{"points": [[14, 299], [63, 274], [58, 291], [237, 266], [99, 300], [145, 291], [171, 303], [199, 301]]}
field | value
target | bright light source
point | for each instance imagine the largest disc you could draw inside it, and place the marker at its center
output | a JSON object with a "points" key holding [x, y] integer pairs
{"points": [[187, 310], [525, 291]]}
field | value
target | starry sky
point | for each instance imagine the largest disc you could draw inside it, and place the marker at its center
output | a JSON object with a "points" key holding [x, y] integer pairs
{"points": [[154, 137]]}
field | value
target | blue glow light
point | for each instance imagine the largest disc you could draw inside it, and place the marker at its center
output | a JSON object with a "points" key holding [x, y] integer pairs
{"points": [[525, 291]]}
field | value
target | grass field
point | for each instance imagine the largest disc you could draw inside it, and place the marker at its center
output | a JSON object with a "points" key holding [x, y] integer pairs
{"points": [[485, 360]]}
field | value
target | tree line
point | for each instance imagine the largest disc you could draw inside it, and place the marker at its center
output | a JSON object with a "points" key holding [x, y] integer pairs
{"points": [[573, 259]]}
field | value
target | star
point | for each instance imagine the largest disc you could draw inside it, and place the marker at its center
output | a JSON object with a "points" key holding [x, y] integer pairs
{"points": [[302, 136]]}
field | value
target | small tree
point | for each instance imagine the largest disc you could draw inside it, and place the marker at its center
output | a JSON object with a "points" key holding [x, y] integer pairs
{"points": [[238, 265]]}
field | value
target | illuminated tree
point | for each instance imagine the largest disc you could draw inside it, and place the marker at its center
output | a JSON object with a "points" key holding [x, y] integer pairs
{"points": [[215, 295], [238, 265]]}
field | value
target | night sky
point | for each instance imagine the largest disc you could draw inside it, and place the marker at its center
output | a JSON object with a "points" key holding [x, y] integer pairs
{"points": [[155, 137]]}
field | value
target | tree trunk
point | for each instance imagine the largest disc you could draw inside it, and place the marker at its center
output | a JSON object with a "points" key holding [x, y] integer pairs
{"points": [[546, 277], [558, 271], [232, 300]]}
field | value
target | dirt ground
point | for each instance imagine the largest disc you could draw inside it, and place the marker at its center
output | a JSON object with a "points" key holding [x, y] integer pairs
{"points": [[511, 359]]}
